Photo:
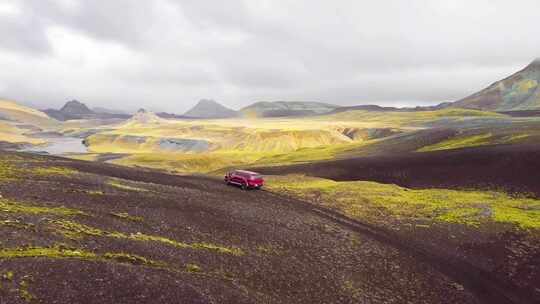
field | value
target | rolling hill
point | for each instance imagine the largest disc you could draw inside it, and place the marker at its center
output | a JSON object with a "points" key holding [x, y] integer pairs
{"points": [[519, 92], [15, 112], [18, 121], [207, 108], [286, 108]]}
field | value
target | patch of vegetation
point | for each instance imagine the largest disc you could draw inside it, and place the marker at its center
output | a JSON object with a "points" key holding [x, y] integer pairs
{"points": [[475, 141], [126, 216], [119, 185], [7, 170], [48, 171], [46, 252], [74, 230], [62, 252], [95, 192], [374, 201], [193, 268], [17, 224], [132, 259], [8, 276], [18, 207], [460, 142]]}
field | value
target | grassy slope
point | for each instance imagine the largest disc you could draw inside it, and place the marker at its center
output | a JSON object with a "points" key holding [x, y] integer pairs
{"points": [[16, 112], [369, 200], [15, 115]]}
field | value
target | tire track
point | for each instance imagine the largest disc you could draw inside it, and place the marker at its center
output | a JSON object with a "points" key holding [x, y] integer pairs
{"points": [[483, 284]]}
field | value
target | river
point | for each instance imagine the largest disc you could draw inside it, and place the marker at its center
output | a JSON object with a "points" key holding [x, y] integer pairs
{"points": [[60, 145]]}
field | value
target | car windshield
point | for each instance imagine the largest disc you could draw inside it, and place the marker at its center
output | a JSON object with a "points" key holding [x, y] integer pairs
{"points": [[255, 177]]}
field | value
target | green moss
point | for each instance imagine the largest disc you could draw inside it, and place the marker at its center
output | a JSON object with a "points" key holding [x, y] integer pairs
{"points": [[45, 252], [61, 252], [48, 171], [374, 201], [193, 268], [95, 192], [74, 230], [7, 171], [460, 142], [526, 218], [16, 224], [8, 276], [119, 185], [133, 259], [126, 216], [18, 207]]}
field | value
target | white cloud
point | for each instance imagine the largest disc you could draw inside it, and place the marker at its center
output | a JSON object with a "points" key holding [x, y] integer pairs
{"points": [[167, 54], [9, 8]]}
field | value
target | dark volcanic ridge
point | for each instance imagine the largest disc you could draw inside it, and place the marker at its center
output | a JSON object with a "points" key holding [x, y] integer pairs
{"points": [[78, 110]]}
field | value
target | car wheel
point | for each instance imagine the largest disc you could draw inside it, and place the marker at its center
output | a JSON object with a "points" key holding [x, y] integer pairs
{"points": [[244, 186]]}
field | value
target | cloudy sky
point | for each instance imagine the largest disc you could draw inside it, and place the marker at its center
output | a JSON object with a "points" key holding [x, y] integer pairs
{"points": [[168, 54]]}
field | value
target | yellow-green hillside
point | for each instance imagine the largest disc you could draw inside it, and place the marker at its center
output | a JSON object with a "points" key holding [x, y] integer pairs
{"points": [[210, 144], [15, 112], [376, 202]]}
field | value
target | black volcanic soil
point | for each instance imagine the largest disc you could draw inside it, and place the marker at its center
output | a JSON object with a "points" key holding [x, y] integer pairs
{"points": [[292, 252], [501, 250], [510, 168]]}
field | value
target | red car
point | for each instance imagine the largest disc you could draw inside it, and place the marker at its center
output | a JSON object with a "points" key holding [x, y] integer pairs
{"points": [[244, 179]]}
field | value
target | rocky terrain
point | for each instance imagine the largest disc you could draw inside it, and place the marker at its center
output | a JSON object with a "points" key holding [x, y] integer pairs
{"points": [[83, 232]]}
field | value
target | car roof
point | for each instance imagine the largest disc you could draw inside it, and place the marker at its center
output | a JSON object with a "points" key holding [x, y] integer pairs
{"points": [[246, 172]]}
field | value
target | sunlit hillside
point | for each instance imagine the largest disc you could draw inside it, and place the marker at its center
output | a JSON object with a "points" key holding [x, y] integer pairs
{"points": [[15, 112], [18, 121], [213, 144]]}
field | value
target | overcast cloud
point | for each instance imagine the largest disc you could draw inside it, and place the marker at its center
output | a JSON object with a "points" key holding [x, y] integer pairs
{"points": [[168, 54]]}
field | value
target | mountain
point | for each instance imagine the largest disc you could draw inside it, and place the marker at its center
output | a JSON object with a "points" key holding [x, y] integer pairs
{"points": [[101, 110], [377, 108], [519, 92], [286, 108], [207, 108], [78, 110], [143, 117]]}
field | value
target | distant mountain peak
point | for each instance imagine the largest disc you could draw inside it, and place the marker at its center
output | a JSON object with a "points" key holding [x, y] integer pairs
{"points": [[208, 108], [208, 102], [145, 117], [75, 107]]}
